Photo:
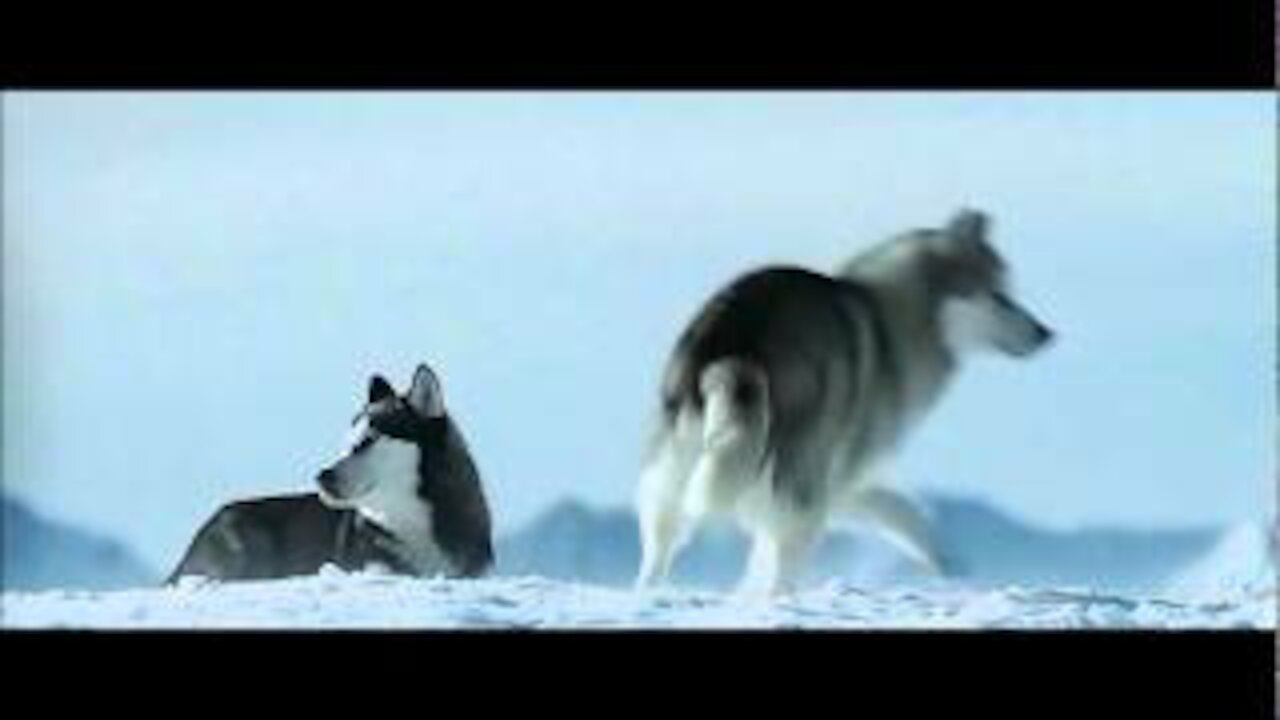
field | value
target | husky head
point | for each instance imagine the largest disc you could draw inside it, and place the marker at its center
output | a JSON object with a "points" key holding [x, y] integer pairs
{"points": [[379, 473], [976, 308]]}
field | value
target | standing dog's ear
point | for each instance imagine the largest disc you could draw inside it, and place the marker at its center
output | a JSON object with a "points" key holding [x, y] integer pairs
{"points": [[968, 225], [379, 389], [425, 397]]}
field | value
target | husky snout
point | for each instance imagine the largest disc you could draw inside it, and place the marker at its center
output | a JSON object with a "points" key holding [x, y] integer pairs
{"points": [[327, 481], [1023, 334], [1042, 337], [993, 321], [339, 486], [330, 489]]}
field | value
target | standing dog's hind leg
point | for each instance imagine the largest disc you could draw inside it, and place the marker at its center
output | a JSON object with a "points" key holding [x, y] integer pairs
{"points": [[662, 528], [660, 538]]}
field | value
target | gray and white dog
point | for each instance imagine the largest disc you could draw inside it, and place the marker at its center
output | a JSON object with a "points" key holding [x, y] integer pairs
{"points": [[790, 388], [405, 497]]}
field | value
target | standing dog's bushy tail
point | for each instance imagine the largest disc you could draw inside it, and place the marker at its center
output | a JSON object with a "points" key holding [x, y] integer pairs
{"points": [[735, 434]]}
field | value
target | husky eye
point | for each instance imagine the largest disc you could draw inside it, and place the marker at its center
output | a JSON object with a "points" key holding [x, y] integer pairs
{"points": [[364, 444]]}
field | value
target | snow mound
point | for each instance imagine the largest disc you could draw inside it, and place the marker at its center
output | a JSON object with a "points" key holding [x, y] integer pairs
{"points": [[334, 599], [1242, 561]]}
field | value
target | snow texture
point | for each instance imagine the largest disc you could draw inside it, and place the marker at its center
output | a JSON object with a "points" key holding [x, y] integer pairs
{"points": [[334, 599]]}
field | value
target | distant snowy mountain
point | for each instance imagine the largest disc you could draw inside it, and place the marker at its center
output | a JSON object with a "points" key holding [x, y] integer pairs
{"points": [[990, 547], [982, 547], [39, 554], [571, 541]]}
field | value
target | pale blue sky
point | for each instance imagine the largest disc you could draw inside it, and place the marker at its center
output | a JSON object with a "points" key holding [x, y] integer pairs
{"points": [[196, 286]]}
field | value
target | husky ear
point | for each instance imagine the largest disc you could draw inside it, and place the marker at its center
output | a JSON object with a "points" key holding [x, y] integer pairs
{"points": [[379, 389], [968, 225], [425, 397]]}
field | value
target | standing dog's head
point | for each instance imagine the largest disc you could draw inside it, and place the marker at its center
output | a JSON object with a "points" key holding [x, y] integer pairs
{"points": [[976, 309], [379, 472]]}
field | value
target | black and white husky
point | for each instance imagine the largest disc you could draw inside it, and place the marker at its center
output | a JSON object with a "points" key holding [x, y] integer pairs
{"points": [[790, 386], [405, 497]]}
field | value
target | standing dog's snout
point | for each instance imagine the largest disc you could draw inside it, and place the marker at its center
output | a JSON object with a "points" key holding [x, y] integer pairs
{"points": [[1044, 334], [1035, 337]]}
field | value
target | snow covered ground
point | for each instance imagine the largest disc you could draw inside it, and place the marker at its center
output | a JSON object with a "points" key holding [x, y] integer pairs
{"points": [[572, 567], [338, 600]]}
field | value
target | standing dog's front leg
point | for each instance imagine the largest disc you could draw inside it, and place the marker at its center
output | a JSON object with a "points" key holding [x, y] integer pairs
{"points": [[900, 520]]}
